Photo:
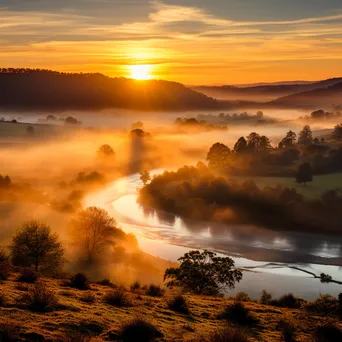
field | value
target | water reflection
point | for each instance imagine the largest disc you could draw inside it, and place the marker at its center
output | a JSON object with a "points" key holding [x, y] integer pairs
{"points": [[168, 236]]}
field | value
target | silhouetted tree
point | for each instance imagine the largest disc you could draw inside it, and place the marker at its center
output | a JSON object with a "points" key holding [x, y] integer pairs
{"points": [[145, 177], [94, 230], [71, 121], [106, 151], [240, 146], [35, 245], [304, 174], [203, 273], [289, 141], [5, 181], [264, 143], [219, 156], [337, 132], [137, 125], [253, 141], [305, 136]]}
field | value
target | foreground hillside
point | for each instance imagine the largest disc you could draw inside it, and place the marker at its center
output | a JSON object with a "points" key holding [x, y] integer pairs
{"points": [[75, 315], [26, 89]]}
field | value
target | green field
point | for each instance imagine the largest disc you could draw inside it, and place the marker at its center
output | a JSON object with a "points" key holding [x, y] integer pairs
{"points": [[315, 189]]}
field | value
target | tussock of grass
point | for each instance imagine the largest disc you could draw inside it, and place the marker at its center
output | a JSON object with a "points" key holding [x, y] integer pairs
{"points": [[40, 298], [328, 332], [239, 313], [117, 297], [139, 329], [79, 281], [179, 303], [106, 282], [154, 291], [135, 286], [88, 297]]}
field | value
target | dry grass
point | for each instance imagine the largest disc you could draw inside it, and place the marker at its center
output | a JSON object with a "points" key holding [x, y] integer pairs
{"points": [[100, 320]]}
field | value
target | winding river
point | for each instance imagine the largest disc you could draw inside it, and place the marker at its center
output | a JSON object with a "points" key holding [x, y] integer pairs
{"points": [[276, 261]]}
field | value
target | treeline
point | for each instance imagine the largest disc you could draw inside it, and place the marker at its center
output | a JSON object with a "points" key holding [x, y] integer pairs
{"points": [[49, 90], [197, 193]]}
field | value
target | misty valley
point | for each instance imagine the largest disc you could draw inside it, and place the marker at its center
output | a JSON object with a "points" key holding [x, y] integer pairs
{"points": [[193, 195]]}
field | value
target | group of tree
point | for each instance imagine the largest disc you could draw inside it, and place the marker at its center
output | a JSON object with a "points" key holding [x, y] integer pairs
{"points": [[36, 246], [337, 132]]}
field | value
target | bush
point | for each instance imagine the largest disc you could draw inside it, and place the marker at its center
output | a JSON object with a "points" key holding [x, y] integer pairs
{"points": [[106, 282], [324, 305], [88, 298], [179, 304], [242, 297], [135, 286], [117, 297], [79, 281], [265, 297], [155, 291], [288, 329], [27, 275], [226, 334], [239, 313], [288, 301], [328, 333], [9, 331], [139, 330], [75, 336], [40, 298]]}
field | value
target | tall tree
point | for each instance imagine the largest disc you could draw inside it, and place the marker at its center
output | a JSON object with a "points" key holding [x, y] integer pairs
{"points": [[94, 230], [304, 174], [219, 156], [35, 245], [289, 141], [203, 273], [145, 177], [305, 136], [240, 146], [337, 132]]}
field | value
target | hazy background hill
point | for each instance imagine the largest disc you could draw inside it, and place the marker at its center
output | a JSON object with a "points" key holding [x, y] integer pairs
{"points": [[322, 97], [25, 89], [262, 93]]}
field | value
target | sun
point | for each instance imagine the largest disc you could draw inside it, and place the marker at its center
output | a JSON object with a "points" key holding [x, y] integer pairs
{"points": [[141, 71]]}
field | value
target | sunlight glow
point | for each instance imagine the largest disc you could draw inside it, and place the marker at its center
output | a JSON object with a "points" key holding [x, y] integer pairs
{"points": [[141, 72]]}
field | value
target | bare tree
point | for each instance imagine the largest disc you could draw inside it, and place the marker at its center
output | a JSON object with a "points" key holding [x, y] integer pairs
{"points": [[94, 230], [35, 245]]}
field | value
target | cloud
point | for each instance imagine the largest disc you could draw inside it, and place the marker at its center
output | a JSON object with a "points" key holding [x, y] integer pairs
{"points": [[176, 38]]}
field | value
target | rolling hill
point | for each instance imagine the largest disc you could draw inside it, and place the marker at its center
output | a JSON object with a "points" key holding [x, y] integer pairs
{"points": [[262, 93], [27, 89], [318, 98]]}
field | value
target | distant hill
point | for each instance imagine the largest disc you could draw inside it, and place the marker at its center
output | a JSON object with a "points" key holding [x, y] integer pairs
{"points": [[27, 89], [262, 93], [318, 98]]}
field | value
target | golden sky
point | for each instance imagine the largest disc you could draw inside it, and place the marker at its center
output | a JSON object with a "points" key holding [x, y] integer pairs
{"points": [[190, 41]]}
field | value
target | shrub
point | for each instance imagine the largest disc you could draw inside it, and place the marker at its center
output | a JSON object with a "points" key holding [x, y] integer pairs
{"points": [[242, 297], [288, 328], [324, 305], [135, 286], [179, 304], [140, 330], [328, 332], [225, 334], [106, 282], [117, 297], [155, 291], [27, 275], [9, 331], [88, 298], [40, 298], [265, 297], [239, 313], [79, 281], [22, 287], [288, 301]]}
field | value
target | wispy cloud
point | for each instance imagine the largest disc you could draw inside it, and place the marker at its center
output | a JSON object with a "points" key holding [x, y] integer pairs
{"points": [[187, 44]]}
